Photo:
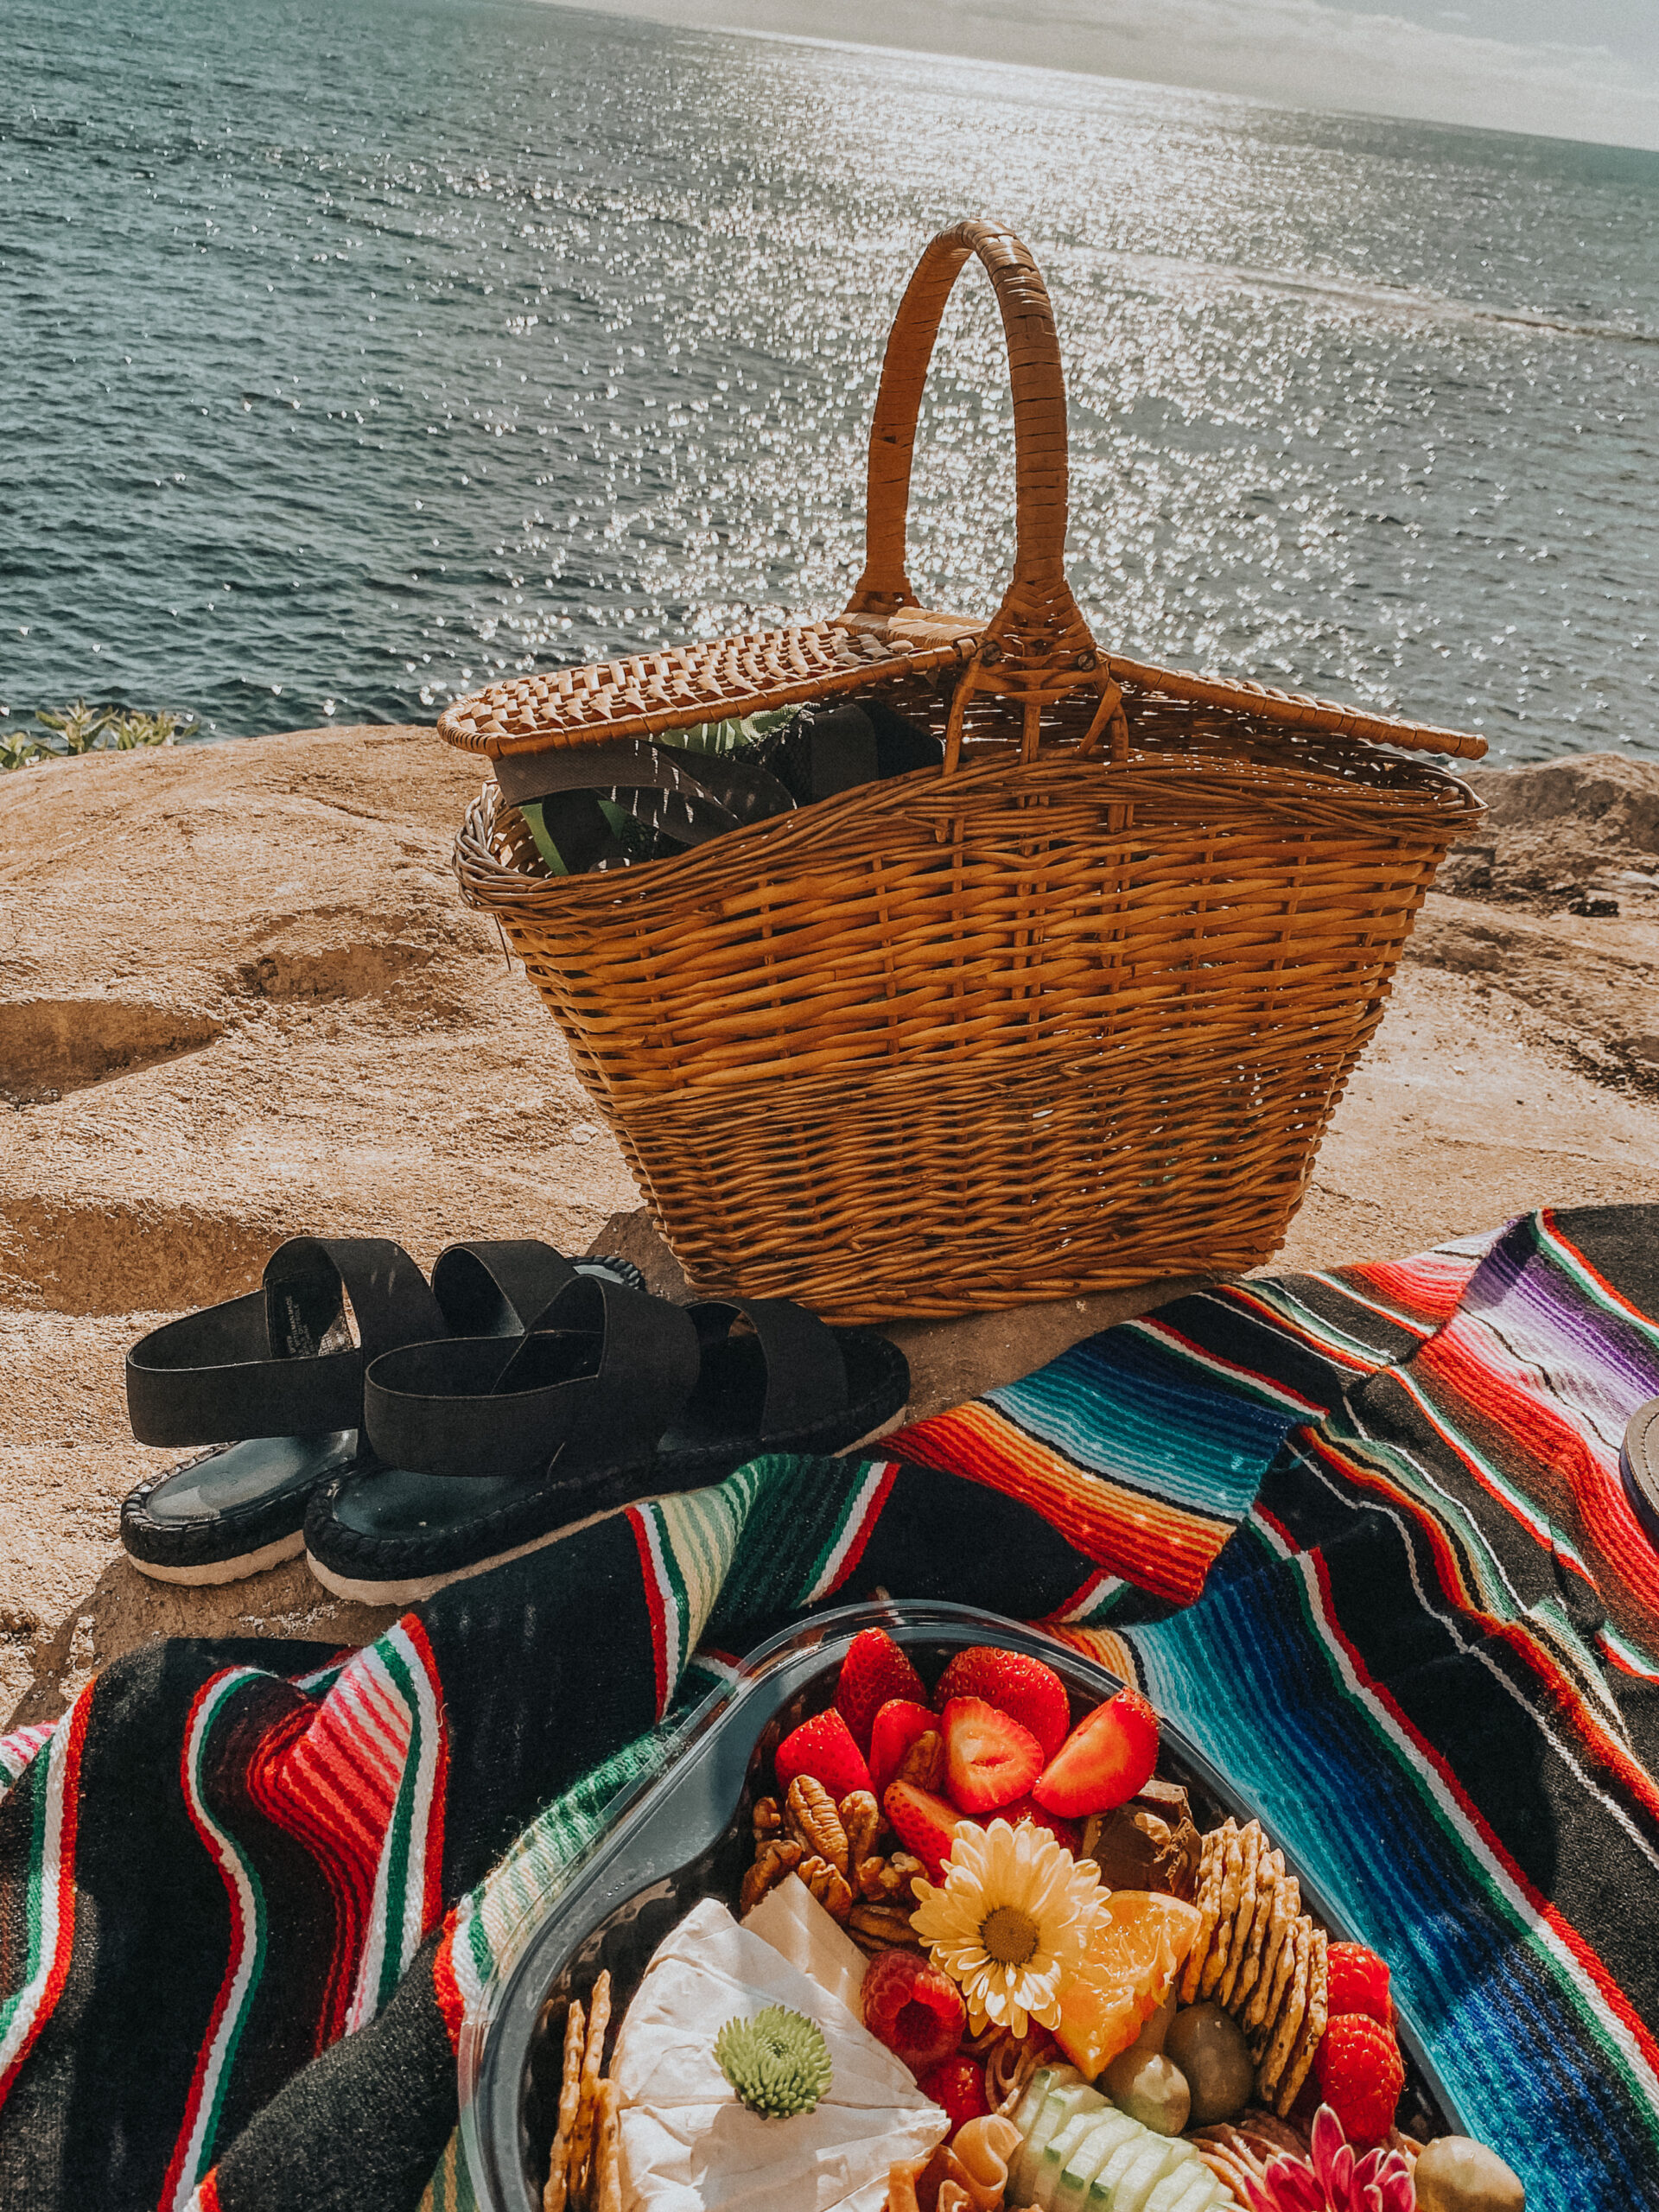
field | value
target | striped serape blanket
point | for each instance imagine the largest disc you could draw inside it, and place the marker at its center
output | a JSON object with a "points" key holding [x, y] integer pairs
{"points": [[1361, 1534]]}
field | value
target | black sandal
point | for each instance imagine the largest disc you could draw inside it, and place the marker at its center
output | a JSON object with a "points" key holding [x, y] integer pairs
{"points": [[611, 1396], [273, 1384]]}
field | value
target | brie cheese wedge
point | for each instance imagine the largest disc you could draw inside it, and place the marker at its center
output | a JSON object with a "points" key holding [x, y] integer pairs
{"points": [[799, 1930], [689, 2142]]}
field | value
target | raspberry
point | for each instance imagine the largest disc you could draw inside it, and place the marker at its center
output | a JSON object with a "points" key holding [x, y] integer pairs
{"points": [[1360, 2077], [1358, 1983], [958, 2089], [913, 2008]]}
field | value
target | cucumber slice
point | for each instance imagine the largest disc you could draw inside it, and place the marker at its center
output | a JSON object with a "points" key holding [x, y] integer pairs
{"points": [[1142, 2176], [1044, 2079], [1202, 2191], [1107, 2131], [1058, 2105], [1057, 2155], [1175, 2186], [1118, 2161]]}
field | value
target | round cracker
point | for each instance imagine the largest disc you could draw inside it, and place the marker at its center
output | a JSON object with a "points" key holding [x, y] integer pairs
{"points": [[1270, 1872], [1255, 1845], [1313, 2027], [1207, 1897], [1233, 1888], [1231, 1855], [1286, 1904], [1291, 2012]]}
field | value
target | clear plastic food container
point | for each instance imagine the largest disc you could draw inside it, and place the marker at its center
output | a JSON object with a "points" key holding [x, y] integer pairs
{"points": [[684, 1835]]}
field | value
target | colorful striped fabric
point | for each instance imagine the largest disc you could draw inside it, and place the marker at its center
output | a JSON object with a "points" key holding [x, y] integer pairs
{"points": [[1361, 1534]]}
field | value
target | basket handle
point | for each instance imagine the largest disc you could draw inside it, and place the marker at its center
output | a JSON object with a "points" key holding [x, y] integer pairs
{"points": [[1038, 648]]}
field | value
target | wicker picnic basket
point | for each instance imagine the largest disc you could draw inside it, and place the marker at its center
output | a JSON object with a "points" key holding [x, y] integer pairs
{"points": [[1069, 1012]]}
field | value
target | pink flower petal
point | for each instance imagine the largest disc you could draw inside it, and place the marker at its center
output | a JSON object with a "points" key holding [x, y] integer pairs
{"points": [[1328, 2138], [1399, 2190]]}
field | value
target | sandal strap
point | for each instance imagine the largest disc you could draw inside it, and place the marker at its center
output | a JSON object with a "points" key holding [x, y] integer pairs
{"points": [[496, 1286], [595, 1382], [806, 1374], [263, 1365]]}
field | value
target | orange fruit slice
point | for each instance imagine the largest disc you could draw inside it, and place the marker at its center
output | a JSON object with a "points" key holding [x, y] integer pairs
{"points": [[1131, 1968]]}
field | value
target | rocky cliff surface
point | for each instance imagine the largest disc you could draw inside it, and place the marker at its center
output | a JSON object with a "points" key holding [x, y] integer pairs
{"points": [[242, 999]]}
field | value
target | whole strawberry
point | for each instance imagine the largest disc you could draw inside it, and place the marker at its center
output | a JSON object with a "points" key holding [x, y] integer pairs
{"points": [[1024, 1688], [1360, 2077], [823, 1748], [874, 1671], [927, 1825], [897, 1726], [1359, 1982], [958, 2089]]}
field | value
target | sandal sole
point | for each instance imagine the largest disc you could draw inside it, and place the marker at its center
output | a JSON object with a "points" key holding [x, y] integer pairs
{"points": [[413, 1590], [225, 1570]]}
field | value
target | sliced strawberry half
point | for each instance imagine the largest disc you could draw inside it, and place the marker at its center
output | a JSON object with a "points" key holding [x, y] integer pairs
{"points": [[1024, 1688], [925, 1823], [898, 1724], [824, 1748], [1108, 1756], [874, 1672], [989, 1759]]}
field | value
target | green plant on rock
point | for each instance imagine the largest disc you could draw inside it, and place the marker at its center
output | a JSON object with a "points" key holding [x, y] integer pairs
{"points": [[78, 728], [19, 750], [127, 733]]}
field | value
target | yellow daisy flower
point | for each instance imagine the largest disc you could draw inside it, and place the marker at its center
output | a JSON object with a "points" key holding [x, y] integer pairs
{"points": [[1015, 1915]]}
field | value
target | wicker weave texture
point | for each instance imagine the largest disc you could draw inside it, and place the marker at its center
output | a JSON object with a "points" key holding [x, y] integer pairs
{"points": [[650, 692], [1071, 1012], [1012, 1034]]}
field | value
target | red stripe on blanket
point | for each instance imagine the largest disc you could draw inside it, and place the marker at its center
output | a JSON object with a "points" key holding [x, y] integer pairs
{"points": [[860, 1537], [1160, 1547], [653, 1596], [432, 1896], [63, 1883], [452, 2006]]}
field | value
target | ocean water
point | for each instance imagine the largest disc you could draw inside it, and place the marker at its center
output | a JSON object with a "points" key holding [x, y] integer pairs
{"points": [[355, 354]]}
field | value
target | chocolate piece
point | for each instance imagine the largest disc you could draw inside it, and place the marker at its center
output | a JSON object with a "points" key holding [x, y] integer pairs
{"points": [[1148, 1844]]}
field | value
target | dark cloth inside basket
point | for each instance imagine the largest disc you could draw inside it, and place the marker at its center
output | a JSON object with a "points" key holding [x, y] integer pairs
{"points": [[1363, 1534], [631, 799]]}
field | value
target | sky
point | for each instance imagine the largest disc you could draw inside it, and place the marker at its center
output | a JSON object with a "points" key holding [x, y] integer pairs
{"points": [[1588, 71]]}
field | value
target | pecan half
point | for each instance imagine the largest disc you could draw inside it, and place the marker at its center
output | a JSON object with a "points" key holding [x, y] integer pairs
{"points": [[771, 1862], [882, 1928], [861, 1818], [810, 1816], [767, 1820], [885, 1879], [924, 1763], [829, 1885]]}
